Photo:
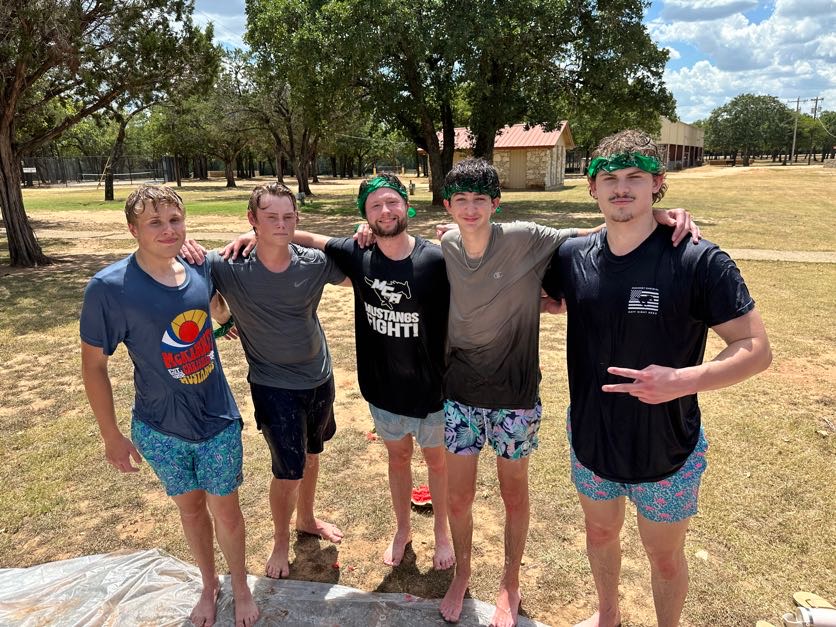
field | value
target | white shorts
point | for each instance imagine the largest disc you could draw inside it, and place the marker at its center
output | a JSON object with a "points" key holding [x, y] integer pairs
{"points": [[428, 432]]}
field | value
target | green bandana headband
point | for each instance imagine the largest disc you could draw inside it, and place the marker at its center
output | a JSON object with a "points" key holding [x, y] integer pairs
{"points": [[624, 160], [450, 190], [376, 183]]}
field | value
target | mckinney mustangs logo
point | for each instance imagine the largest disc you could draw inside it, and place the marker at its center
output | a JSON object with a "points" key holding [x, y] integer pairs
{"points": [[384, 319], [389, 292], [187, 347], [643, 300]]}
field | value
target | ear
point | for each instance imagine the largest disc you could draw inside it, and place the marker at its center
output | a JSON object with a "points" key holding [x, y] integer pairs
{"points": [[446, 205], [658, 181], [592, 189], [132, 228], [251, 218], [495, 202]]}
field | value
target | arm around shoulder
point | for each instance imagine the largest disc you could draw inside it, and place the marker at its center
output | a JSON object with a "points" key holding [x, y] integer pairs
{"points": [[310, 240]]}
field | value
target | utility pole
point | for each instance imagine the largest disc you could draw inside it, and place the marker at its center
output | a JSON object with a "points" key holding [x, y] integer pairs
{"points": [[795, 129], [812, 128]]}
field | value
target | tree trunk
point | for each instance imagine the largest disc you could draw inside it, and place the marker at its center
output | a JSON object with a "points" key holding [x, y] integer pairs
{"points": [[24, 249], [300, 167], [177, 176], [279, 165], [229, 172], [115, 155]]}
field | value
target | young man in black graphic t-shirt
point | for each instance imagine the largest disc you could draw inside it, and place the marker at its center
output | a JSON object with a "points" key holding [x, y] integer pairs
{"points": [[639, 313]]}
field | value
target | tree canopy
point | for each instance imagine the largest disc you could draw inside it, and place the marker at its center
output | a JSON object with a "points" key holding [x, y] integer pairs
{"points": [[748, 124], [61, 62]]}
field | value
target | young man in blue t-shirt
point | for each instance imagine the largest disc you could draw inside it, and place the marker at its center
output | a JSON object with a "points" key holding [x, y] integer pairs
{"points": [[639, 313], [184, 419]]}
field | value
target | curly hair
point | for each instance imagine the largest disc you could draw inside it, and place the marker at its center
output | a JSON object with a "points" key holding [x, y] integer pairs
{"points": [[472, 175], [633, 141], [156, 195]]}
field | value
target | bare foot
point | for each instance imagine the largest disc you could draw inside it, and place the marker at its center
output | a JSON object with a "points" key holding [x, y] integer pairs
{"points": [[246, 611], [444, 557], [278, 566], [203, 614], [451, 604], [596, 621], [325, 530], [507, 608], [393, 555]]}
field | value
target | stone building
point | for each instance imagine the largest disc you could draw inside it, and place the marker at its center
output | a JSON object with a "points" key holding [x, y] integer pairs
{"points": [[526, 158]]}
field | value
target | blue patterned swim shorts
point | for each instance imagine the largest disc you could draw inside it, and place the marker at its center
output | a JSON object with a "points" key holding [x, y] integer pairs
{"points": [[511, 432], [214, 465]]}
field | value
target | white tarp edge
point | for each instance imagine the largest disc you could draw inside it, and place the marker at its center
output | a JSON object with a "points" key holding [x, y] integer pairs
{"points": [[154, 588]]}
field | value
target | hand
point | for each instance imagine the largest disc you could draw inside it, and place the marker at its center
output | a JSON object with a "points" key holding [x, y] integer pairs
{"points": [[681, 220], [242, 244], [364, 236], [651, 385], [193, 252], [441, 229], [119, 451], [550, 305]]}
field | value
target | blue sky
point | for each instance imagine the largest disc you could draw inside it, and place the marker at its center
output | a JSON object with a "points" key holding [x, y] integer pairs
{"points": [[719, 48]]}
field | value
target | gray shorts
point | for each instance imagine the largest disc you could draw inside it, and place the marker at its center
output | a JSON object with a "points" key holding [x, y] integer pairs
{"points": [[428, 432]]}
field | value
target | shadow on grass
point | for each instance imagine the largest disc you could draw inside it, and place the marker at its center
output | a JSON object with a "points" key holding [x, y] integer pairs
{"points": [[406, 578], [38, 299]]}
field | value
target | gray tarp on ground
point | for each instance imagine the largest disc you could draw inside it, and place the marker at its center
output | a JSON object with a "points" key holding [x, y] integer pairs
{"points": [[154, 588]]}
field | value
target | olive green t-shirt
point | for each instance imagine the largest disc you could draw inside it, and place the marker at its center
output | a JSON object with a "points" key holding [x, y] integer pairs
{"points": [[494, 323]]}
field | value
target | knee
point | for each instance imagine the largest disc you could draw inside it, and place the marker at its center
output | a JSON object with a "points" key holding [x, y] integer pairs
{"points": [[667, 564], [436, 464], [400, 459], [598, 534], [459, 502], [514, 499]]}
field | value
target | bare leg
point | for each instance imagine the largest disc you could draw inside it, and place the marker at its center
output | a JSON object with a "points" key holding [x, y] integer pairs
{"points": [[229, 529], [604, 520], [283, 495], [665, 547], [443, 557], [400, 486], [305, 519], [513, 485], [461, 489], [197, 527]]}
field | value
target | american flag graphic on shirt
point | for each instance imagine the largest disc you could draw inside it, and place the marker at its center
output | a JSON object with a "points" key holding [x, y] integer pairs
{"points": [[643, 300]]}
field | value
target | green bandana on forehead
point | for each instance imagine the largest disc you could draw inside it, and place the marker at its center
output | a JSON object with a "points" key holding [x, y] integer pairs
{"points": [[624, 160], [376, 183], [450, 190]]}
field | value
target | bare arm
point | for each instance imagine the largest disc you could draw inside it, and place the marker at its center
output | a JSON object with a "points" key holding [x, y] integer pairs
{"points": [[118, 449], [311, 240], [747, 353], [219, 309]]}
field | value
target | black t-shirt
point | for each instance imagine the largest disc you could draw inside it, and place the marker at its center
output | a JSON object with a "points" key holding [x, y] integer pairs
{"points": [[651, 306], [400, 321]]}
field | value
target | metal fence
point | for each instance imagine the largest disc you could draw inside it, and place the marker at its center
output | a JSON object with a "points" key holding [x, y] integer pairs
{"points": [[77, 170]]}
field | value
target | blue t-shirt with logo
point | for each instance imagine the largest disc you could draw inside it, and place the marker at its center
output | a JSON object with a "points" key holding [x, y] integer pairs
{"points": [[180, 385]]}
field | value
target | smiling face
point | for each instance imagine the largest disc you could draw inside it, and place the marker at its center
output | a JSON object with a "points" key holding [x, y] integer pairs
{"points": [[471, 211], [159, 230], [625, 194], [386, 212], [274, 220]]}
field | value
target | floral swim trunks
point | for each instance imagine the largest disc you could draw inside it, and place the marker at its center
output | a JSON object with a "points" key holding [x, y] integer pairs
{"points": [[512, 433], [214, 465], [670, 500]]}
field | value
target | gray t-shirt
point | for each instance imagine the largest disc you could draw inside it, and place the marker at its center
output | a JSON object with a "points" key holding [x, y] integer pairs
{"points": [[275, 313], [494, 323]]}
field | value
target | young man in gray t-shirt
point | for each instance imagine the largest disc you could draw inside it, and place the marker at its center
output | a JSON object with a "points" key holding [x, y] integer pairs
{"points": [[273, 295]]}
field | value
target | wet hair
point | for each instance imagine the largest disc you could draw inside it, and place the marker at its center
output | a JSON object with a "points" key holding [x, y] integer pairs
{"points": [[629, 142], [384, 179], [156, 195], [472, 175], [271, 189]]}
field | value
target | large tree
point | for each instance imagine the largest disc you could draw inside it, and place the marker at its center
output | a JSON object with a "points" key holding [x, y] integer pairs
{"points": [[748, 125], [86, 53]]}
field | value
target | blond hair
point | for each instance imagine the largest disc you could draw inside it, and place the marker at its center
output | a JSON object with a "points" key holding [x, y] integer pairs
{"points": [[156, 195]]}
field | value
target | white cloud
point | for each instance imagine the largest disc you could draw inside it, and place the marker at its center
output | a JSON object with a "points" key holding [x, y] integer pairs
{"points": [[789, 54], [704, 10], [673, 53]]}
